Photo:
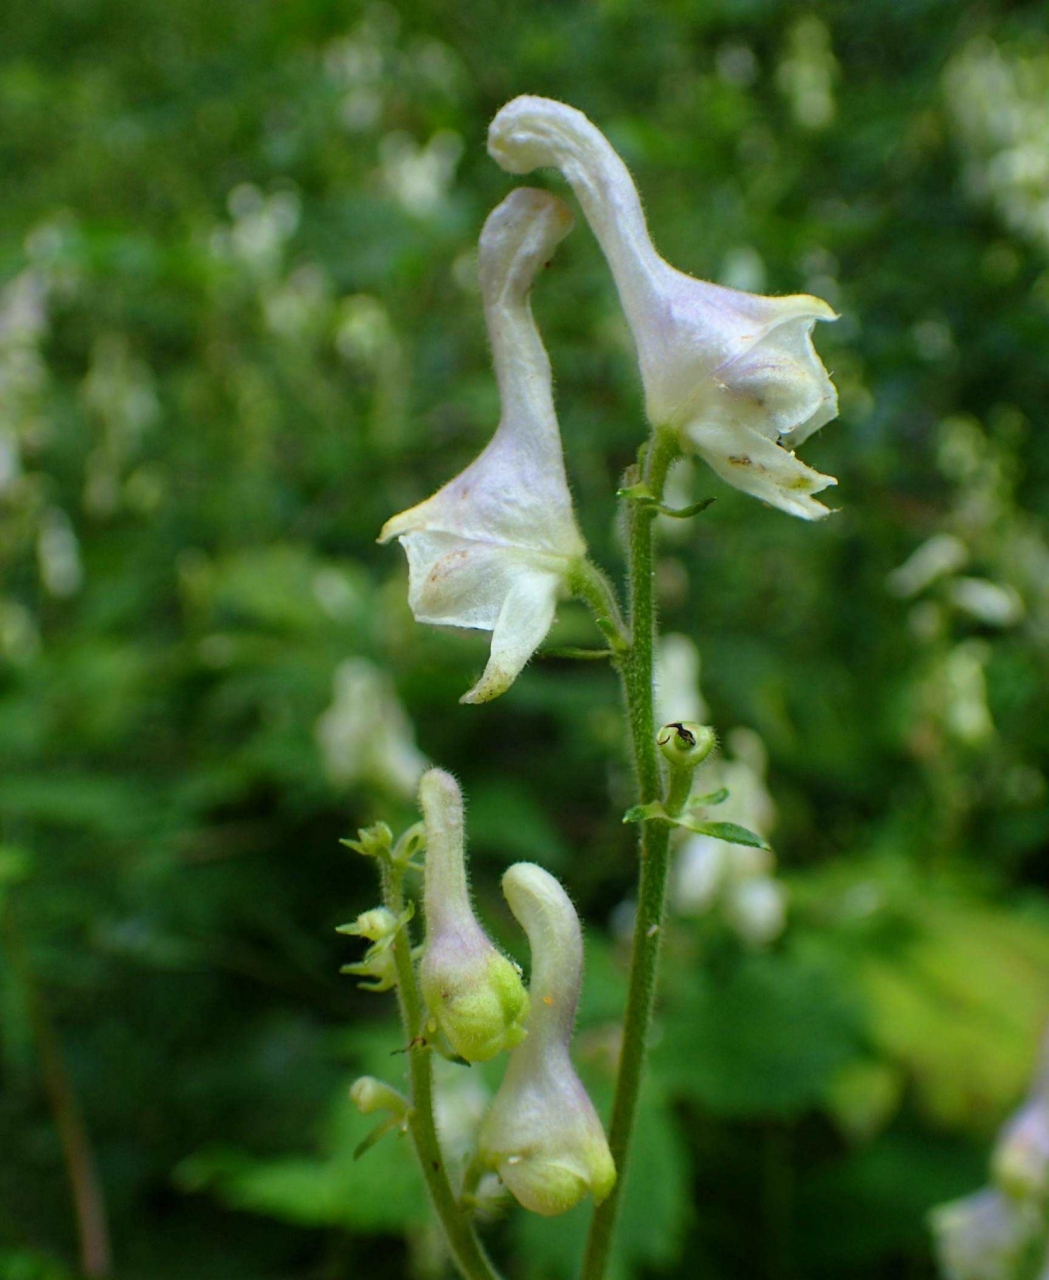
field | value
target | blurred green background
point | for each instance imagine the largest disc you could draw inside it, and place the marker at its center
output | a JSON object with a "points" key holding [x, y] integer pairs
{"points": [[239, 328]]}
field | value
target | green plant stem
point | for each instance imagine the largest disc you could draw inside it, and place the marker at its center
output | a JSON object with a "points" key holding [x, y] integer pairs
{"points": [[589, 583], [636, 669], [466, 1249]]}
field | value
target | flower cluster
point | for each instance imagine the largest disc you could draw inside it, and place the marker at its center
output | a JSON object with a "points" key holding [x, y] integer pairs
{"points": [[728, 375], [1001, 1231], [541, 1134]]}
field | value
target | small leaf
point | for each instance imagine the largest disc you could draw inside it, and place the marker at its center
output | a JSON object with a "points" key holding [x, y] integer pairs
{"points": [[642, 812], [711, 798], [376, 1135], [685, 513], [731, 832], [639, 493]]}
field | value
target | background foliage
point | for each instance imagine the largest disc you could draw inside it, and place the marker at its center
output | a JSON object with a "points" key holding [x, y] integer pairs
{"points": [[239, 328]]}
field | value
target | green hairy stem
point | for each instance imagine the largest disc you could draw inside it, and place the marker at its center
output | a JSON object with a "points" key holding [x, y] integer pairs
{"points": [[636, 669], [465, 1248], [633, 650]]}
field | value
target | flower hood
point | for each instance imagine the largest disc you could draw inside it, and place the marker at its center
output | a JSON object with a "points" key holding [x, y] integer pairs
{"points": [[733, 373], [493, 548], [542, 1134]]}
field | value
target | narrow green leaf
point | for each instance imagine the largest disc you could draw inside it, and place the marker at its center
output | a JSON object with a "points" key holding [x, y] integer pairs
{"points": [[731, 832], [685, 513], [711, 798], [376, 1135], [641, 812]]}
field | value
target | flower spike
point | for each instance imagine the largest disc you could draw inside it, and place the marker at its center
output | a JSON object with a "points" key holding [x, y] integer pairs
{"points": [[474, 993], [733, 374], [542, 1134], [494, 548]]}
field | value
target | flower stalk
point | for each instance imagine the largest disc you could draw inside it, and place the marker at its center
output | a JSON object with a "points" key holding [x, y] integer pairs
{"points": [[636, 671], [466, 1249]]}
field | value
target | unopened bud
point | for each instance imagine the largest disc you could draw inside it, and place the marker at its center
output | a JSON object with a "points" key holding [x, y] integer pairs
{"points": [[686, 744], [474, 993], [378, 964], [542, 1134], [373, 842], [375, 925], [369, 1095]]}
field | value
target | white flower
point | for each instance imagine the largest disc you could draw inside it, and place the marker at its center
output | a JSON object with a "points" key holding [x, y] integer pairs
{"points": [[542, 1134], [1020, 1160], [734, 374], [983, 1236], [365, 735], [494, 548]]}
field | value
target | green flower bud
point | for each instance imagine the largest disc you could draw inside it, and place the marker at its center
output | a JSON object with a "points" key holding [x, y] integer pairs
{"points": [[369, 1095], [542, 1134], [376, 925], [474, 993], [686, 744]]}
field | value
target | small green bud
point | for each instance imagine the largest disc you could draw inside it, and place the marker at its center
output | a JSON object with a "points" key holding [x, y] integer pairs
{"points": [[369, 1095], [686, 744], [378, 964], [375, 841], [375, 925], [474, 993], [542, 1134]]}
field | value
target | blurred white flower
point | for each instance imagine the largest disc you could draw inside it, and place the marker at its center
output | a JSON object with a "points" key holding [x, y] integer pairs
{"points": [[807, 73], [365, 735], [678, 695], [999, 104], [938, 556], [983, 1236], [58, 554], [756, 908], [710, 873], [495, 547], [1020, 1160], [966, 713], [460, 1101], [419, 178], [734, 374], [995, 603]]}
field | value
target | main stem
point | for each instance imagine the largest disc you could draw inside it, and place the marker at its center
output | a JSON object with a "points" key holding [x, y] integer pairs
{"points": [[465, 1247], [636, 669]]}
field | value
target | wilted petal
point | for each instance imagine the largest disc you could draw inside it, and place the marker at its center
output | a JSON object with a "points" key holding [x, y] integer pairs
{"points": [[720, 367]]}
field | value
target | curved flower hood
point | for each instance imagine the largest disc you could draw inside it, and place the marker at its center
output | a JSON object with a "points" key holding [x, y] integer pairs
{"points": [[734, 374], [542, 1134], [493, 549]]}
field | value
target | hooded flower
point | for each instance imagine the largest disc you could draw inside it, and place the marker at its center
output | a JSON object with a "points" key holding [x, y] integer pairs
{"points": [[493, 549], [734, 374], [473, 992], [542, 1134]]}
